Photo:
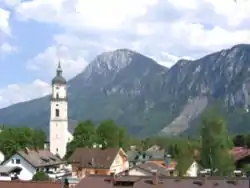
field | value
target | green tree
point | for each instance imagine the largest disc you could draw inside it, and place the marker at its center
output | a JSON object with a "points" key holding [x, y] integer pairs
{"points": [[216, 143], [111, 135], [108, 134], [14, 139], [124, 140], [184, 159], [40, 176], [38, 138], [247, 140], [83, 136]]}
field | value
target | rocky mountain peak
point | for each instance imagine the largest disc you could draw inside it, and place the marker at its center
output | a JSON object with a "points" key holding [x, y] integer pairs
{"points": [[110, 61], [146, 97]]}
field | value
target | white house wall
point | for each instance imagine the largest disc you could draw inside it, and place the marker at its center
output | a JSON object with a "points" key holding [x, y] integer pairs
{"points": [[118, 165], [27, 170], [138, 172], [193, 170], [1, 157]]}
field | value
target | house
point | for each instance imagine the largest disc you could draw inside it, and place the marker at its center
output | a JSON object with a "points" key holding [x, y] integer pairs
{"points": [[9, 173], [1, 157], [171, 166], [193, 169], [241, 156], [147, 169], [32, 161], [98, 161], [138, 157], [156, 181], [154, 148], [30, 184]]}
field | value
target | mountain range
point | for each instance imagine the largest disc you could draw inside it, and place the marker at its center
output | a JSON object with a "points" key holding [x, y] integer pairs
{"points": [[147, 98]]}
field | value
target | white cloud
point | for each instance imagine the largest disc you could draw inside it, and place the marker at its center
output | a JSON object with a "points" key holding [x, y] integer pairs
{"points": [[48, 60], [10, 3], [235, 12], [165, 30], [15, 93], [4, 21], [151, 27], [6, 48], [95, 14]]}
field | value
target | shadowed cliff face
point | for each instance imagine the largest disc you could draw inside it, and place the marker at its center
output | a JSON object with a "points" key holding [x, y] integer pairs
{"points": [[145, 97]]}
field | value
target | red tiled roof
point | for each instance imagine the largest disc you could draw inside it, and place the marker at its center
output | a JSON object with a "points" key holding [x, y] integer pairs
{"points": [[39, 158], [94, 181], [240, 153], [172, 165], [94, 157], [30, 184], [150, 167]]}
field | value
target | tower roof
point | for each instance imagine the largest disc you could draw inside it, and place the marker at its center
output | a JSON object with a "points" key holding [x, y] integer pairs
{"points": [[59, 79]]}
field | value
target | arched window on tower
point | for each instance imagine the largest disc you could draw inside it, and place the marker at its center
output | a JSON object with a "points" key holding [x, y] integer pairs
{"points": [[57, 113], [57, 95]]}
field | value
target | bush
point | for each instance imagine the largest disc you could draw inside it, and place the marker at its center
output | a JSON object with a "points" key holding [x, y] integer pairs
{"points": [[40, 176]]}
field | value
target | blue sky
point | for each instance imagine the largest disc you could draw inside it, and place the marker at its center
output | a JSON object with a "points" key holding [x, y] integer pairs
{"points": [[34, 33]]}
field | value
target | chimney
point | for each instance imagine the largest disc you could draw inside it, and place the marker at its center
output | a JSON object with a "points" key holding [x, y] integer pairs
{"points": [[126, 173], [66, 183], [93, 162], [113, 178], [36, 149], [155, 180], [205, 180], [26, 150]]}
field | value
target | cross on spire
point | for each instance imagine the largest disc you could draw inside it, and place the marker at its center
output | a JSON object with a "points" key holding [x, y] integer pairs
{"points": [[59, 69]]}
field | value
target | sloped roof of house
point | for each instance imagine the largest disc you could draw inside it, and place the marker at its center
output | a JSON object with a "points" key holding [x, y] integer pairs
{"points": [[240, 153], [172, 165], [29, 184], [152, 167], [94, 157], [149, 155], [131, 155], [40, 158], [156, 154], [95, 181]]}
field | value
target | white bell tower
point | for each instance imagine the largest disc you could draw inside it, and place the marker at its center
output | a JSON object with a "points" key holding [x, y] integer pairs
{"points": [[59, 134]]}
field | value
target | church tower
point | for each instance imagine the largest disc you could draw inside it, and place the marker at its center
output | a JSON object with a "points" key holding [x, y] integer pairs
{"points": [[59, 133]]}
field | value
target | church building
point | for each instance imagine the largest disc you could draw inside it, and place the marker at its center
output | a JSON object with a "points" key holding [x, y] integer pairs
{"points": [[59, 132]]}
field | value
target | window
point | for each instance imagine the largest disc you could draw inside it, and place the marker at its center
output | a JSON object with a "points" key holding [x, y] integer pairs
{"points": [[57, 113], [57, 95], [12, 161], [18, 161], [56, 149]]}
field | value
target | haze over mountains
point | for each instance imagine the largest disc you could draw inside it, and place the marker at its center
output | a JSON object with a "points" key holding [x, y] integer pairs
{"points": [[148, 98]]}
